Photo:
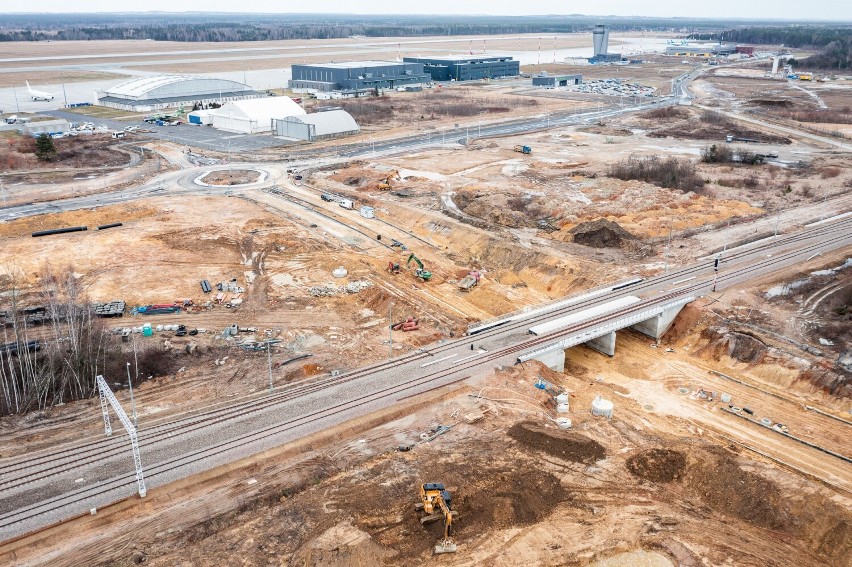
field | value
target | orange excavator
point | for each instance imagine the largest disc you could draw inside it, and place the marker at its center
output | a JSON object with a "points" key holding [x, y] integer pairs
{"points": [[385, 184], [437, 502]]}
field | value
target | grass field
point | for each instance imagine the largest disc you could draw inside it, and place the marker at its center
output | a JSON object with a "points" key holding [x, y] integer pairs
{"points": [[40, 78]]}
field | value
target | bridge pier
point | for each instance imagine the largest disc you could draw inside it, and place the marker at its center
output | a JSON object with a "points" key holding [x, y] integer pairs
{"points": [[555, 359], [656, 326], [604, 344]]}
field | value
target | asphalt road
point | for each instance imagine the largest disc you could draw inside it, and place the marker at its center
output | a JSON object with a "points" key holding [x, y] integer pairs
{"points": [[43, 488]]}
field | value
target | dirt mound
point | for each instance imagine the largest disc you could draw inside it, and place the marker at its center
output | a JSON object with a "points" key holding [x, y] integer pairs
{"points": [[569, 446], [739, 346], [506, 499], [771, 102], [601, 233], [657, 465], [343, 544], [715, 477]]}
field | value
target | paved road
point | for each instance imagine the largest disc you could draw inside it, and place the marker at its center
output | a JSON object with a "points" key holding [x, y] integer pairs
{"points": [[47, 488]]}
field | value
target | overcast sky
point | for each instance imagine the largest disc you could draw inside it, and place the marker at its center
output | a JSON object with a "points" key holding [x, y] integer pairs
{"points": [[769, 9]]}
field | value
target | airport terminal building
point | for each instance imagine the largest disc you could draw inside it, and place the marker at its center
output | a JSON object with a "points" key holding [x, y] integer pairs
{"points": [[357, 76], [467, 68], [165, 91]]}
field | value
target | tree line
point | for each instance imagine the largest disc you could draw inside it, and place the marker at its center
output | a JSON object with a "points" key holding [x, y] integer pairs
{"points": [[54, 362]]}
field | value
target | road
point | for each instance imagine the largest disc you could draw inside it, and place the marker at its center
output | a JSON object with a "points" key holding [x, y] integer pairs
{"points": [[50, 486]]}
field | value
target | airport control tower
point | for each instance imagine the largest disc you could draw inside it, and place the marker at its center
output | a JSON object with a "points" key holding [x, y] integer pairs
{"points": [[600, 37]]}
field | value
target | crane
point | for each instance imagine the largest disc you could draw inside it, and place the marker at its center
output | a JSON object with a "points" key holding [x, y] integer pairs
{"points": [[436, 502], [420, 271]]}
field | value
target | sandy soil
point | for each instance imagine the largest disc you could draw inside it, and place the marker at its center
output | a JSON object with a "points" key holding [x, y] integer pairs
{"points": [[668, 469]]}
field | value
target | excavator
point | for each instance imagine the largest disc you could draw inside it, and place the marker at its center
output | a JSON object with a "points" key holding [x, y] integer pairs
{"points": [[420, 271], [437, 502], [385, 185]]}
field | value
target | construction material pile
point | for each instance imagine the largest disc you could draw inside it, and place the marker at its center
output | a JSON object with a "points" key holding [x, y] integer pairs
{"points": [[329, 290]]}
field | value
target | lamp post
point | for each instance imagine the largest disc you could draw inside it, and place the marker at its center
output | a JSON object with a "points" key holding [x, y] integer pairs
{"points": [[269, 364]]}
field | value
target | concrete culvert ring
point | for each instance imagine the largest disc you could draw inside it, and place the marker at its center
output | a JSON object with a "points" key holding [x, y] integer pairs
{"points": [[242, 177], [657, 465]]}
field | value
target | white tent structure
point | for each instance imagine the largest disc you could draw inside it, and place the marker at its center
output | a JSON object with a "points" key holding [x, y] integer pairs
{"points": [[317, 126], [255, 115]]}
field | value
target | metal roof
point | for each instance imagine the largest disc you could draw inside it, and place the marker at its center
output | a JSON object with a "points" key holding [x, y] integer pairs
{"points": [[141, 86], [357, 64]]}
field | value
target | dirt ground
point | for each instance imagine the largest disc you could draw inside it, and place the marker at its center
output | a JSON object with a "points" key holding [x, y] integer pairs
{"points": [[668, 469], [231, 177]]}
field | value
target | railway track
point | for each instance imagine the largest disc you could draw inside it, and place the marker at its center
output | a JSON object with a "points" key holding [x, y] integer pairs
{"points": [[42, 467], [93, 450]]}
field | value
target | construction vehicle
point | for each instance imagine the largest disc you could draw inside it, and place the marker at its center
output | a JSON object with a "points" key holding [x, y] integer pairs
{"points": [[523, 149], [385, 184], [393, 268], [469, 281], [731, 138], [420, 271], [436, 502]]}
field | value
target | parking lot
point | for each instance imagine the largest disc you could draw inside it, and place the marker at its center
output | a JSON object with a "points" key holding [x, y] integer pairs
{"points": [[202, 137]]}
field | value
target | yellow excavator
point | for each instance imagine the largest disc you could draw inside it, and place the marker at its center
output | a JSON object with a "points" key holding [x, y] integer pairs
{"points": [[386, 183], [436, 502]]}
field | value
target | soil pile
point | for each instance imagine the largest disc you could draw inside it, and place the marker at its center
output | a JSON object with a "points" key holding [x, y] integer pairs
{"points": [[569, 446], [719, 481], [658, 465], [601, 233], [739, 346], [343, 544]]}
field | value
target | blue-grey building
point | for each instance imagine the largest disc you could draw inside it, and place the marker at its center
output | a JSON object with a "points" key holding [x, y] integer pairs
{"points": [[357, 75], [471, 68], [553, 81]]}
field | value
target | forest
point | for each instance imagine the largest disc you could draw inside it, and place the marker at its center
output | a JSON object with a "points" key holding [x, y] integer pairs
{"points": [[196, 26]]}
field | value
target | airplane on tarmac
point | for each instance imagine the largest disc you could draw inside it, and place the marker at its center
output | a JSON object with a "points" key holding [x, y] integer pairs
{"points": [[38, 95]]}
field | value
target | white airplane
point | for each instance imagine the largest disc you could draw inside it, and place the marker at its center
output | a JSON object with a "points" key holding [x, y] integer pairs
{"points": [[38, 95]]}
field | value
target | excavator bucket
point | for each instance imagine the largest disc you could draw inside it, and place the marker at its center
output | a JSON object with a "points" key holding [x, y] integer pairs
{"points": [[446, 546]]}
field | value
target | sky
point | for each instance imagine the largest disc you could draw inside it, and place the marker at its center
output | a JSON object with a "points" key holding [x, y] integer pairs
{"points": [[763, 9]]}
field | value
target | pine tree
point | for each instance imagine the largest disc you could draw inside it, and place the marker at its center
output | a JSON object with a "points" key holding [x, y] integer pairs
{"points": [[45, 150]]}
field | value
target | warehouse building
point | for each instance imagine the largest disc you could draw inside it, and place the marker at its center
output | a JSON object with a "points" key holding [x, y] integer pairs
{"points": [[552, 81], [357, 76], [164, 91], [701, 50], [254, 116], [467, 68], [328, 123]]}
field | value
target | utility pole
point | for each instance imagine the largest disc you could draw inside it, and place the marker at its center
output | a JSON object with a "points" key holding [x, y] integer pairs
{"points": [[132, 401], [390, 329], [821, 213], [269, 364], [64, 94], [668, 246], [17, 105], [777, 219]]}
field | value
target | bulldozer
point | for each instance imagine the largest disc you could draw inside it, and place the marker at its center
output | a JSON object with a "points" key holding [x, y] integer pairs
{"points": [[420, 271], [385, 185], [437, 502]]}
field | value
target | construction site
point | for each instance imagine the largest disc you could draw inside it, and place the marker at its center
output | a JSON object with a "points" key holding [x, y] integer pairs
{"points": [[231, 281]]}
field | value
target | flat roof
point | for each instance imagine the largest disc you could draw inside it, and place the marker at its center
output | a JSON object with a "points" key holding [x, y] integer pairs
{"points": [[458, 58], [355, 64]]}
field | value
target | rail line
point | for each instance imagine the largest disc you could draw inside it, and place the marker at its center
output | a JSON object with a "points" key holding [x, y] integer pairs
{"points": [[200, 421], [95, 450]]}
